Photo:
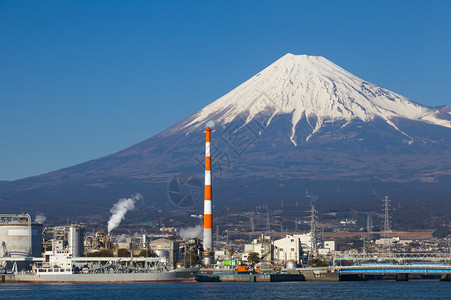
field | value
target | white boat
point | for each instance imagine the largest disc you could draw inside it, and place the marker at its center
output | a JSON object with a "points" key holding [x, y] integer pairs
{"points": [[106, 269], [60, 266]]}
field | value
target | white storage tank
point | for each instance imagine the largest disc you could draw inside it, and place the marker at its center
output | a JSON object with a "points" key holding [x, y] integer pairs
{"points": [[162, 253], [75, 240], [20, 236], [291, 265]]}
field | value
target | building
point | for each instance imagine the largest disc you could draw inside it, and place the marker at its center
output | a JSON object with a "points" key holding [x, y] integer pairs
{"points": [[328, 248], [127, 244], [221, 255], [387, 241], [288, 249], [306, 241], [263, 246], [20, 236], [168, 248]]}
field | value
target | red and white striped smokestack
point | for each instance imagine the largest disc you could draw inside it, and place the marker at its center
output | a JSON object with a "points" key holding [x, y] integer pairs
{"points": [[208, 221]]}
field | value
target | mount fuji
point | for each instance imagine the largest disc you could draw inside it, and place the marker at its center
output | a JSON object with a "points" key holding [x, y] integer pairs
{"points": [[301, 123], [311, 87]]}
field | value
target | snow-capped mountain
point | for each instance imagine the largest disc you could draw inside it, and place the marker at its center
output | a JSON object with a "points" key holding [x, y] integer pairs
{"points": [[313, 88], [301, 123]]}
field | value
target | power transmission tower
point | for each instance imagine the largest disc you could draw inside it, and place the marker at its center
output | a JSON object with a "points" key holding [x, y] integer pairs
{"points": [[252, 227], [313, 218], [387, 242], [268, 222], [217, 236], [369, 227]]}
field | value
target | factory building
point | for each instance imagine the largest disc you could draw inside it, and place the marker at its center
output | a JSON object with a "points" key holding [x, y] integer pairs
{"points": [[288, 249], [167, 248], [127, 244], [306, 241], [69, 237], [328, 248], [20, 236]]}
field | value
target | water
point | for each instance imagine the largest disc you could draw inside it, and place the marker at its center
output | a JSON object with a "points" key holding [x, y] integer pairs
{"points": [[414, 289]]}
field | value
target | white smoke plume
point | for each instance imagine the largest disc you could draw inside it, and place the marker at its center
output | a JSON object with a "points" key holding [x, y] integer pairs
{"points": [[120, 209], [191, 232], [211, 124], [124, 236], [137, 235], [40, 218]]}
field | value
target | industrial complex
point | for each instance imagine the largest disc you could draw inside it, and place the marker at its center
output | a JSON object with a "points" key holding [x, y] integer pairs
{"points": [[32, 252]]}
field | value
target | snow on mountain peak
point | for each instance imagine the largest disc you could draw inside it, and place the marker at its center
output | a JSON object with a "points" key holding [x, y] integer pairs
{"points": [[313, 88]]}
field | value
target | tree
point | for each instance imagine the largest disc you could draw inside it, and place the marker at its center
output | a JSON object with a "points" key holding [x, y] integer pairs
{"points": [[101, 253], [147, 253], [253, 257], [231, 252], [441, 232], [316, 262], [123, 253]]}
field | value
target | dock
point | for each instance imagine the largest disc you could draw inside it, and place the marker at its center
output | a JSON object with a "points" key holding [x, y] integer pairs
{"points": [[340, 273]]}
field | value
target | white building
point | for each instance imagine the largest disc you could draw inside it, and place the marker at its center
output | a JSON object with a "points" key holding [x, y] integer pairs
{"points": [[306, 241], [329, 245], [263, 246], [127, 244], [221, 255], [328, 248], [288, 249], [386, 241]]}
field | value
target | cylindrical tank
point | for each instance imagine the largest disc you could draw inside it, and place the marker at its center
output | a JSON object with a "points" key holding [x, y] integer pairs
{"points": [[75, 241], [291, 265], [162, 253], [19, 236]]}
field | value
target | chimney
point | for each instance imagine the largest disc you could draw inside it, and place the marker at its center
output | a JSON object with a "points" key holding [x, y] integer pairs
{"points": [[208, 253]]}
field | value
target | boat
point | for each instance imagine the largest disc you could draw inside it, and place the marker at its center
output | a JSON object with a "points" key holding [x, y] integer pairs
{"points": [[60, 266], [176, 275], [106, 269]]}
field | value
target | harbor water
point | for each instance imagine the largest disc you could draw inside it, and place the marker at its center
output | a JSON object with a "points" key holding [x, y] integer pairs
{"points": [[413, 289]]}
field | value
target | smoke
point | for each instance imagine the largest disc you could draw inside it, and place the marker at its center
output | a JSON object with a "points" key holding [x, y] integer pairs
{"points": [[124, 236], [191, 232], [211, 124], [40, 218], [120, 209]]}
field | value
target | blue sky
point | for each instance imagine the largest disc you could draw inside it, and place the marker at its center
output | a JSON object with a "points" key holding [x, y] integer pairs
{"points": [[84, 79]]}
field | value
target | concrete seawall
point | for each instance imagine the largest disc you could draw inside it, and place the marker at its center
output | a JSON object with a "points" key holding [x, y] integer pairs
{"points": [[250, 277], [320, 275], [316, 274]]}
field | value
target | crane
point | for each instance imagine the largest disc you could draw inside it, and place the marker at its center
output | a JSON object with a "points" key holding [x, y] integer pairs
{"points": [[251, 267]]}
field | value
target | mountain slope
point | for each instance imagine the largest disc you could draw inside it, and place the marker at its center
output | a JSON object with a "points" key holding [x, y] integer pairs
{"points": [[301, 122], [313, 87]]}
